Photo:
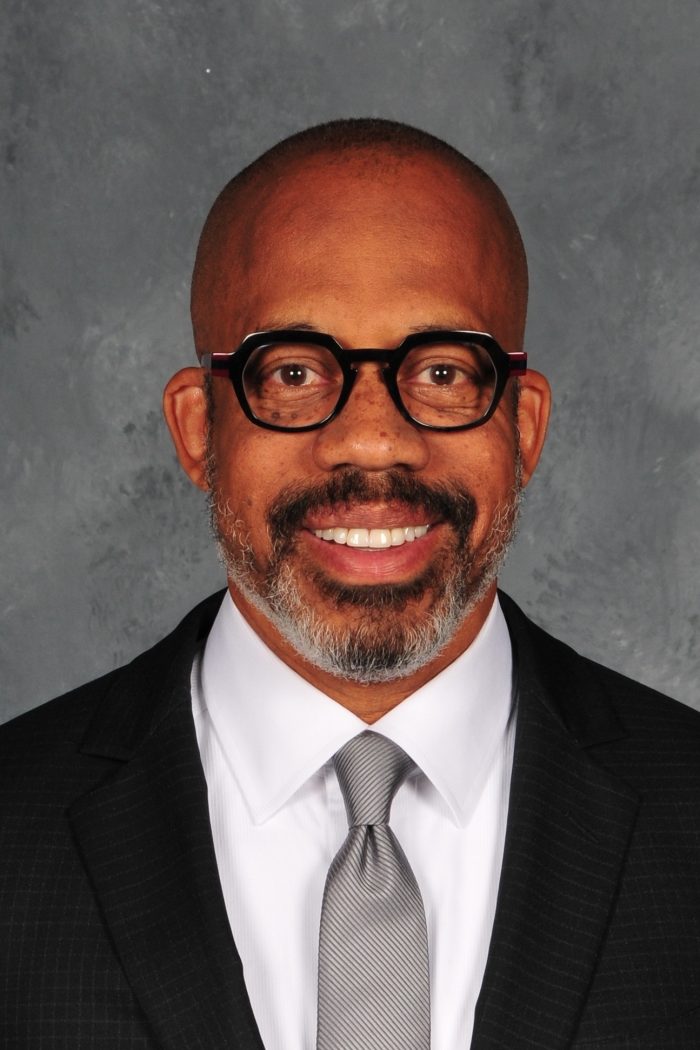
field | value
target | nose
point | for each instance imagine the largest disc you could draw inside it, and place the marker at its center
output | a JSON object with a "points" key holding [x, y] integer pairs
{"points": [[370, 432]]}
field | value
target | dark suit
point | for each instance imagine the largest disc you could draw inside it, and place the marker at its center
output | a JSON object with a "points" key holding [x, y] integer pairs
{"points": [[113, 931]]}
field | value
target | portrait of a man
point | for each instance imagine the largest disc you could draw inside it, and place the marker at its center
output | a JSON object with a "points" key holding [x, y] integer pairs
{"points": [[369, 794], [363, 420]]}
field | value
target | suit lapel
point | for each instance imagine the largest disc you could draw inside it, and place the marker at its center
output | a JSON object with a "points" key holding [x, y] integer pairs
{"points": [[569, 825], [145, 839]]}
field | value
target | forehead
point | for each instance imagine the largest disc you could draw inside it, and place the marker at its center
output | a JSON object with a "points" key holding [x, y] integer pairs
{"points": [[365, 234]]}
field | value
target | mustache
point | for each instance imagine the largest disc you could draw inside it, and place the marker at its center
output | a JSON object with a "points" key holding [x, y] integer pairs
{"points": [[450, 503]]}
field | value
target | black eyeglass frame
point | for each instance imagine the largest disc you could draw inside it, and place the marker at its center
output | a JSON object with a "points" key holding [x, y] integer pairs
{"points": [[232, 365]]}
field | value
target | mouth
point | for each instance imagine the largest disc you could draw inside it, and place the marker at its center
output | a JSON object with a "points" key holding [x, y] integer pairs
{"points": [[371, 543], [358, 531]]}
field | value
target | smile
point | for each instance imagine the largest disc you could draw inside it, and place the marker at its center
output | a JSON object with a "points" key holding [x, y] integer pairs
{"points": [[372, 539]]}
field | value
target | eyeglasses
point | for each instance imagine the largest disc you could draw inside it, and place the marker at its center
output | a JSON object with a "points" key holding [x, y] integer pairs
{"points": [[297, 380]]}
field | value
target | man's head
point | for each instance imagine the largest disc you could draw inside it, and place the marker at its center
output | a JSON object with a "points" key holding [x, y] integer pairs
{"points": [[367, 231], [370, 152]]}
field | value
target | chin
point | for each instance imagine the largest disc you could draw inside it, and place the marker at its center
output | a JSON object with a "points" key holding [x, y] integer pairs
{"points": [[383, 633]]}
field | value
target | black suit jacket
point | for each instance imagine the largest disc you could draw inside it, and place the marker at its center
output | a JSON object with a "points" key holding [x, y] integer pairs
{"points": [[113, 930]]}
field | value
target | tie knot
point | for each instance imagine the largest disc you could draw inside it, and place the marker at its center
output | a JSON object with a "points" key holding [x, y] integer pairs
{"points": [[370, 769]]}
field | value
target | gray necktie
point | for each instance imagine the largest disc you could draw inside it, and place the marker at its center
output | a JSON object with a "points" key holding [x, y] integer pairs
{"points": [[373, 988]]}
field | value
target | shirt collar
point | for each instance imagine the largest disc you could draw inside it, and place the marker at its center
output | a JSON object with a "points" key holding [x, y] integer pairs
{"points": [[453, 726], [276, 729]]}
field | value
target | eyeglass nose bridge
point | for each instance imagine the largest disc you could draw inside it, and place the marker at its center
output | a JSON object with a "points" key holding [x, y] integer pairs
{"points": [[369, 355], [390, 360], [355, 358]]}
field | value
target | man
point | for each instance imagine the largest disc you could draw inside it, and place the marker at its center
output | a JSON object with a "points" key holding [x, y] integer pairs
{"points": [[191, 856]]}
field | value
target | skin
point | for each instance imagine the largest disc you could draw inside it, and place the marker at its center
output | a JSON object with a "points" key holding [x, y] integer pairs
{"points": [[367, 257]]}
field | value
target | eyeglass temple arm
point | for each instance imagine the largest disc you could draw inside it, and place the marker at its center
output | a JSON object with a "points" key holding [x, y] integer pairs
{"points": [[518, 362], [215, 364]]}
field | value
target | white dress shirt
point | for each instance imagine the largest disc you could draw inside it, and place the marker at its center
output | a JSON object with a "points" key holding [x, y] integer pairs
{"points": [[267, 738]]}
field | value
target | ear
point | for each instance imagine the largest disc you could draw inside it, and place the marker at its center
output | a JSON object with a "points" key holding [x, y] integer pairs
{"points": [[185, 410], [533, 415]]}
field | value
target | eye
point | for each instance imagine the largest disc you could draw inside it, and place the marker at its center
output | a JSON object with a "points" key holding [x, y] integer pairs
{"points": [[292, 384], [446, 384], [280, 368], [441, 374], [452, 370], [293, 374]]}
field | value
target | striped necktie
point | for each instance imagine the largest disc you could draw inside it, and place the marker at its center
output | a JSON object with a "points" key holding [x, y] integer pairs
{"points": [[374, 989]]}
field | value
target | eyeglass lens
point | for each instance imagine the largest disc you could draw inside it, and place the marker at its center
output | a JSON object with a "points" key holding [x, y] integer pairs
{"points": [[444, 384]]}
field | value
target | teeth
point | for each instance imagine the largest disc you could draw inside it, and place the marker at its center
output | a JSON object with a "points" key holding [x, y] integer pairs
{"points": [[357, 538], [379, 538], [373, 539]]}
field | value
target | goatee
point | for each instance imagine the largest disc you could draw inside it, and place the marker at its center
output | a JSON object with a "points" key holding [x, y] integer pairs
{"points": [[391, 630]]}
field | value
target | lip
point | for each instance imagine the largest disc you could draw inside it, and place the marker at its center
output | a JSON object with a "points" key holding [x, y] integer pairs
{"points": [[368, 516], [353, 565]]}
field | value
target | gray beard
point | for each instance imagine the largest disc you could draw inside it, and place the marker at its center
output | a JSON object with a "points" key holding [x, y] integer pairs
{"points": [[385, 645]]}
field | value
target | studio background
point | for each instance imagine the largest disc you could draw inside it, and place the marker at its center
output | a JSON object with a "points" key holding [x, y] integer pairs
{"points": [[120, 122]]}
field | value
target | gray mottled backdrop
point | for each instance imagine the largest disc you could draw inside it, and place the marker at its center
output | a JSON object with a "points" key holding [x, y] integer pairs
{"points": [[121, 119]]}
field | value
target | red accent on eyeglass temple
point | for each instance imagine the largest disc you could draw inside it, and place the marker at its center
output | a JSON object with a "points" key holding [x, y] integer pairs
{"points": [[518, 362]]}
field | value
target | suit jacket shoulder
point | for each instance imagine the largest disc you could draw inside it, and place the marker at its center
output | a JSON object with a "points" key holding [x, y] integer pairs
{"points": [[596, 940], [651, 739], [113, 928], [118, 708]]}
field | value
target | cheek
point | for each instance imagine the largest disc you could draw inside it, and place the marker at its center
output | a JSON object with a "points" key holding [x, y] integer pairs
{"points": [[253, 466], [487, 469]]}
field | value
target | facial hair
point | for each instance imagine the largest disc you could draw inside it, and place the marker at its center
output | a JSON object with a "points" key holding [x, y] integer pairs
{"points": [[392, 637]]}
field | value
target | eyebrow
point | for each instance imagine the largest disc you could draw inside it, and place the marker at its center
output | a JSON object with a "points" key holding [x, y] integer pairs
{"points": [[447, 324], [283, 324], [277, 324]]}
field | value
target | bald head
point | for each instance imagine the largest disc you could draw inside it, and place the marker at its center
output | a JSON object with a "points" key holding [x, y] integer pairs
{"points": [[370, 172]]}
